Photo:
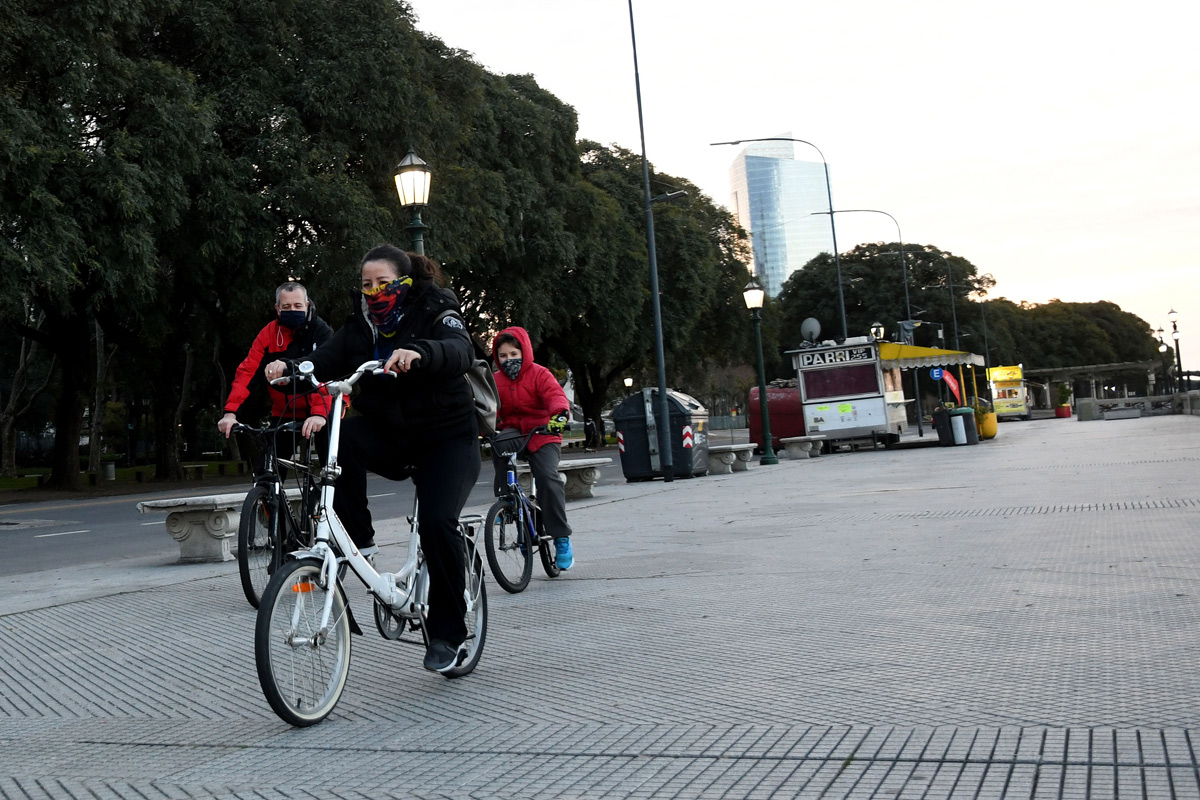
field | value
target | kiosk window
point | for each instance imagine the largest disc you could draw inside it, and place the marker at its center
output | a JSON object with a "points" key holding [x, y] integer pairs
{"points": [[841, 381]]}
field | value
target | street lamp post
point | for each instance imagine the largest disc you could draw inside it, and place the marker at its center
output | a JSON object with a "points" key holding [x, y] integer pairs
{"points": [[628, 384], [666, 459], [1173, 315], [412, 184], [837, 261], [1162, 353], [754, 300]]}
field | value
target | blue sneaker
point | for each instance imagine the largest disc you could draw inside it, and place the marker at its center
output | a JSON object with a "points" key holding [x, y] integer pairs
{"points": [[563, 557]]}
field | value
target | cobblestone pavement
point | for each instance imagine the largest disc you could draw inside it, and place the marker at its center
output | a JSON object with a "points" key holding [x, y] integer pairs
{"points": [[1011, 620]]}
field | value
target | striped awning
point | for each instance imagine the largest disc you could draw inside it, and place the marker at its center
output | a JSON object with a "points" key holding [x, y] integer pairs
{"points": [[907, 356]]}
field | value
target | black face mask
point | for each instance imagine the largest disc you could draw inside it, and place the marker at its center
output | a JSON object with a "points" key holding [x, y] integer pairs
{"points": [[293, 319], [512, 368]]}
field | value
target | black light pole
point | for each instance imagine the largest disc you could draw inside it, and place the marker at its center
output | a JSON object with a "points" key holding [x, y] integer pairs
{"points": [[666, 459], [754, 300], [412, 184], [837, 261], [1173, 315]]}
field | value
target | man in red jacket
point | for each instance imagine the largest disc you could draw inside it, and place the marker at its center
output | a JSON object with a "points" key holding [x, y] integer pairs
{"points": [[293, 334], [530, 397]]}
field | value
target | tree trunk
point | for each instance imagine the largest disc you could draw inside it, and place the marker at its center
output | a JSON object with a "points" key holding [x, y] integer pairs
{"points": [[68, 332], [98, 404], [12, 410], [234, 451], [168, 414]]}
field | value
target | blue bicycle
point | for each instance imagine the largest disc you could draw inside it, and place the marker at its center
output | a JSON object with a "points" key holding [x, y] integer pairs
{"points": [[513, 525]]}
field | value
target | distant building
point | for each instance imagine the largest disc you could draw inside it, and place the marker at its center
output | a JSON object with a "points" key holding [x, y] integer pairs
{"points": [[773, 196]]}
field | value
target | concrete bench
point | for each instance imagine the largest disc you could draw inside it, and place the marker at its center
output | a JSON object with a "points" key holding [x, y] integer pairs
{"points": [[581, 475], [195, 471], [803, 446], [205, 526], [1127, 412], [726, 458]]}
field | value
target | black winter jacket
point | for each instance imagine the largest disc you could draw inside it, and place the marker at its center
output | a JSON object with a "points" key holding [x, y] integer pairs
{"points": [[433, 400]]}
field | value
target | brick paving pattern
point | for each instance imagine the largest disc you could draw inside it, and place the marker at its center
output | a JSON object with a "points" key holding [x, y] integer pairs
{"points": [[1015, 619]]}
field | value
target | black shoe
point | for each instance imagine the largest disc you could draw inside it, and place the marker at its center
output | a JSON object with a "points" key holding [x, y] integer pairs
{"points": [[441, 656]]}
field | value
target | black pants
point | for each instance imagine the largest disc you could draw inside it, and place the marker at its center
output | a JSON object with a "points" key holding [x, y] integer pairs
{"points": [[549, 484], [443, 473]]}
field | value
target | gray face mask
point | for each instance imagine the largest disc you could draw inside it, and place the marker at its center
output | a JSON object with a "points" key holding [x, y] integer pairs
{"points": [[512, 367]]}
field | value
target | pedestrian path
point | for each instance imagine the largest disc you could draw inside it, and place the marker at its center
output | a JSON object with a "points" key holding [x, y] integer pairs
{"points": [[1012, 619]]}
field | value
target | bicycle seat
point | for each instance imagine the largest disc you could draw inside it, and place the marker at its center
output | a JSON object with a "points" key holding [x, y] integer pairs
{"points": [[508, 441]]}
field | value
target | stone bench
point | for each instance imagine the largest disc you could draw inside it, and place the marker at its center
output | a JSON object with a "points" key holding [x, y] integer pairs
{"points": [[726, 458], [803, 446], [205, 526], [195, 471], [1127, 412], [581, 475]]}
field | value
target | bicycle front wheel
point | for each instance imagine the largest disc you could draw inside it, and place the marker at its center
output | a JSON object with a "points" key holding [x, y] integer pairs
{"points": [[509, 550], [257, 535], [476, 616], [302, 666]]}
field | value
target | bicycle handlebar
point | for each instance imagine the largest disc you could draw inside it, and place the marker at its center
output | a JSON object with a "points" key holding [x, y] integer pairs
{"points": [[294, 425]]}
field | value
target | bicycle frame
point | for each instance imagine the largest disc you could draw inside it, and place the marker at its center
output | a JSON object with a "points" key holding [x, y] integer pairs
{"points": [[405, 592]]}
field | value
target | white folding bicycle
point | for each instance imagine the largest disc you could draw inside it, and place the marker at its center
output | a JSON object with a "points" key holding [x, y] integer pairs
{"points": [[302, 633]]}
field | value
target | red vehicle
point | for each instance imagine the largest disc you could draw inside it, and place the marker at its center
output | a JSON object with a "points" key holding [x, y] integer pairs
{"points": [[787, 415]]}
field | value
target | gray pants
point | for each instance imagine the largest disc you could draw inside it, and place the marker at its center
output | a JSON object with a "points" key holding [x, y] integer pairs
{"points": [[549, 485]]}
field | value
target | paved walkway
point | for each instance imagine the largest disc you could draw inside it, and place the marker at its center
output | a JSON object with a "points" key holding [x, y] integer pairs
{"points": [[1015, 619]]}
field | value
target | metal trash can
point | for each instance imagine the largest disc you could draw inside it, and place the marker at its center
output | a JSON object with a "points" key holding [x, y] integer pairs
{"points": [[941, 424], [636, 421], [108, 470], [970, 431]]}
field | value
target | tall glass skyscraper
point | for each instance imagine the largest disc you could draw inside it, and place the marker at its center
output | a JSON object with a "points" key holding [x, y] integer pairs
{"points": [[773, 197]]}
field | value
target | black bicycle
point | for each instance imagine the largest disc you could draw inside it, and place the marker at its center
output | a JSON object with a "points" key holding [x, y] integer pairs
{"points": [[271, 526], [513, 526]]}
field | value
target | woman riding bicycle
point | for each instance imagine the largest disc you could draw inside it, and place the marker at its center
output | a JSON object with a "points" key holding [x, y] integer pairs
{"points": [[530, 398], [419, 421]]}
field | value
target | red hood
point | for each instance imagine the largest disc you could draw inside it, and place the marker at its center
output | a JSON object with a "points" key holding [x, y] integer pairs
{"points": [[522, 337]]}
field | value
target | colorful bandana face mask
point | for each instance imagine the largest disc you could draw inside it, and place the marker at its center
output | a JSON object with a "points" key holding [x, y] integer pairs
{"points": [[383, 304], [512, 368]]}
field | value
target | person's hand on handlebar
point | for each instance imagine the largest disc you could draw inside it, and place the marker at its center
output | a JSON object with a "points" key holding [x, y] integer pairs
{"points": [[402, 361], [312, 425], [557, 424], [275, 370], [225, 424]]}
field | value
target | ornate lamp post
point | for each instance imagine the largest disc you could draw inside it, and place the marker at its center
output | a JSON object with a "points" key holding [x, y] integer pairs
{"points": [[877, 331], [1162, 352], [1173, 315], [412, 184], [754, 300]]}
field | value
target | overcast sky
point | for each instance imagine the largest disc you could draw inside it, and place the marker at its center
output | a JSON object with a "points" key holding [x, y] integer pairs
{"points": [[1053, 144]]}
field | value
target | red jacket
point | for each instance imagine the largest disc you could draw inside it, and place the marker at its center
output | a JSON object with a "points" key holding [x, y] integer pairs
{"points": [[533, 398], [273, 342]]}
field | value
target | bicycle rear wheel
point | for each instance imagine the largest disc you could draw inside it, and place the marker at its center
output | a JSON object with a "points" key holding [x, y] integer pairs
{"points": [[302, 669], [549, 560], [256, 545], [476, 616], [509, 550]]}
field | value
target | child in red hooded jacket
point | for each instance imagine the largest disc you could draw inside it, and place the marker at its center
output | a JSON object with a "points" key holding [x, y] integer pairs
{"points": [[530, 397]]}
